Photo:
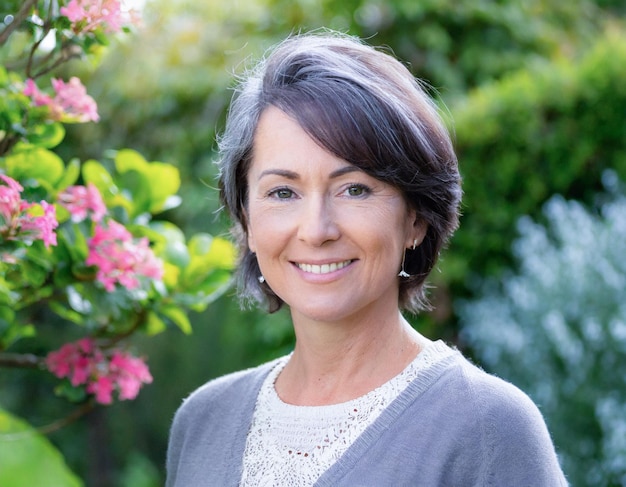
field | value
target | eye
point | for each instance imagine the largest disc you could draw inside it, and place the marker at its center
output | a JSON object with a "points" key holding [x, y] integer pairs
{"points": [[357, 190], [281, 193]]}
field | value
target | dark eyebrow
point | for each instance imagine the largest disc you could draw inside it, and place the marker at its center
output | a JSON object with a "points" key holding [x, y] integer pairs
{"points": [[280, 172], [344, 170], [294, 175]]}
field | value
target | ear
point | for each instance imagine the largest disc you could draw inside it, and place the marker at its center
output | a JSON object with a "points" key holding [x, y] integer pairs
{"points": [[418, 230], [248, 231]]}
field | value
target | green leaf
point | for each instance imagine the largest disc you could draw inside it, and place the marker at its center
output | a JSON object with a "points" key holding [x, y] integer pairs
{"points": [[67, 390], [10, 331], [47, 135], [164, 183], [96, 173], [200, 244], [7, 295], [153, 325], [30, 162], [72, 239], [28, 458], [212, 259], [178, 317], [13, 332], [36, 274], [70, 176], [66, 313], [215, 252], [130, 160], [168, 231], [154, 182], [136, 187]]}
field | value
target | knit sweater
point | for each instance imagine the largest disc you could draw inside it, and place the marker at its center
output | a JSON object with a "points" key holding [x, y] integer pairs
{"points": [[454, 425]]}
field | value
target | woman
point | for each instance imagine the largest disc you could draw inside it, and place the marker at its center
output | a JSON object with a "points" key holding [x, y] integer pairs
{"points": [[344, 187]]}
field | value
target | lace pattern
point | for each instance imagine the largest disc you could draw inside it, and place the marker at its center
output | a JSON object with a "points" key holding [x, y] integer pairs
{"points": [[293, 446]]}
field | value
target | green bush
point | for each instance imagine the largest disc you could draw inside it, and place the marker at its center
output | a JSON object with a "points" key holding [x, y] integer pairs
{"points": [[551, 130], [557, 329]]}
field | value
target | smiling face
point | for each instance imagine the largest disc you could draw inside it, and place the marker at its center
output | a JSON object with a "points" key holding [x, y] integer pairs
{"points": [[329, 239]]}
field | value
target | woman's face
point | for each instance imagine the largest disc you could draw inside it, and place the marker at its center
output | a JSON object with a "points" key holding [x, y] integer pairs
{"points": [[329, 238]]}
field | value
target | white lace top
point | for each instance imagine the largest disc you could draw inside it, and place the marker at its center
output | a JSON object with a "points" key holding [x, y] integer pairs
{"points": [[292, 446]]}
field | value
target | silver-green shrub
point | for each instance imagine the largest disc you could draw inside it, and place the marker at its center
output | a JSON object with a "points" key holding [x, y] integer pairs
{"points": [[556, 327]]}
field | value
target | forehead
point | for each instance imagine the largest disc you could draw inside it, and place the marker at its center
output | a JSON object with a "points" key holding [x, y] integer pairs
{"points": [[280, 142]]}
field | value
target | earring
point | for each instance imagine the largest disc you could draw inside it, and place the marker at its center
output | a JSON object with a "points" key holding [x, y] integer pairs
{"points": [[261, 279], [402, 272]]}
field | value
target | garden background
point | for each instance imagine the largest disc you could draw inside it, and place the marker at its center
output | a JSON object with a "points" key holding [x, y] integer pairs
{"points": [[533, 285]]}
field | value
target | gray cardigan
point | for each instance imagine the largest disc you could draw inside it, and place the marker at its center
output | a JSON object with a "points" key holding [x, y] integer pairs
{"points": [[454, 425]]}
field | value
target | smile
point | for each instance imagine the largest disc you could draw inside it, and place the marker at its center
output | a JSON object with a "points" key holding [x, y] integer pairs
{"points": [[323, 268]]}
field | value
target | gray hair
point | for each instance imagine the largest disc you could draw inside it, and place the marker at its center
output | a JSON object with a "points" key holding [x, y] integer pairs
{"points": [[363, 106]]}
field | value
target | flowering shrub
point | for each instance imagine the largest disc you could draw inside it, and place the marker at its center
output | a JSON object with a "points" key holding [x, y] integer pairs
{"points": [[80, 242], [121, 260], [20, 220], [84, 363], [89, 15], [557, 329], [70, 104]]}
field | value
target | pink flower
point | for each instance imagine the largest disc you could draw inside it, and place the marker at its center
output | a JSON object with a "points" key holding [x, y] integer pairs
{"points": [[88, 15], [42, 227], [131, 373], [23, 221], [80, 200], [10, 200], [102, 388], [85, 364], [120, 259], [60, 363], [39, 99], [70, 104]]}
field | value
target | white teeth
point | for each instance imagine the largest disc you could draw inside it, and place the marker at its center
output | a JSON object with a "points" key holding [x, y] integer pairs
{"points": [[324, 268]]}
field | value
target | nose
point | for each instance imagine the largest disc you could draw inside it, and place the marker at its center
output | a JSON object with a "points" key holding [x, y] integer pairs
{"points": [[318, 223]]}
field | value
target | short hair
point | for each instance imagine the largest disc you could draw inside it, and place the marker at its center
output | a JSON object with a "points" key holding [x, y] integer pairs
{"points": [[365, 107]]}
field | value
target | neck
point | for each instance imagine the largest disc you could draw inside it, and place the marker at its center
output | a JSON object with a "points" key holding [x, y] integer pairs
{"points": [[337, 362]]}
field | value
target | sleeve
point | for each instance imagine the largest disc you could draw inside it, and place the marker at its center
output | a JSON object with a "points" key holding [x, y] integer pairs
{"points": [[175, 446], [518, 449]]}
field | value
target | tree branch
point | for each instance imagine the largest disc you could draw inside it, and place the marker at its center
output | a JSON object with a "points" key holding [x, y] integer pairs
{"points": [[21, 360], [17, 20], [51, 427]]}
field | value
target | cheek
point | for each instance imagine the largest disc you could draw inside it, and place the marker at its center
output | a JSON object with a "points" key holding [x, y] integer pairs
{"points": [[264, 230]]}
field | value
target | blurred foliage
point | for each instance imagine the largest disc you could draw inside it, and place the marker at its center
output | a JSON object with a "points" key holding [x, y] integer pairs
{"points": [[557, 328], [553, 129], [21, 449], [535, 90]]}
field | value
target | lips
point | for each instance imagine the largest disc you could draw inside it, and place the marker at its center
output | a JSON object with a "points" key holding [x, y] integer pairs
{"points": [[323, 268]]}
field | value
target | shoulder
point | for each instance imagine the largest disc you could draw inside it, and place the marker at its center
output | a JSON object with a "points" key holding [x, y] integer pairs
{"points": [[508, 426], [461, 384], [489, 403], [490, 392], [498, 401], [213, 422], [221, 390]]}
